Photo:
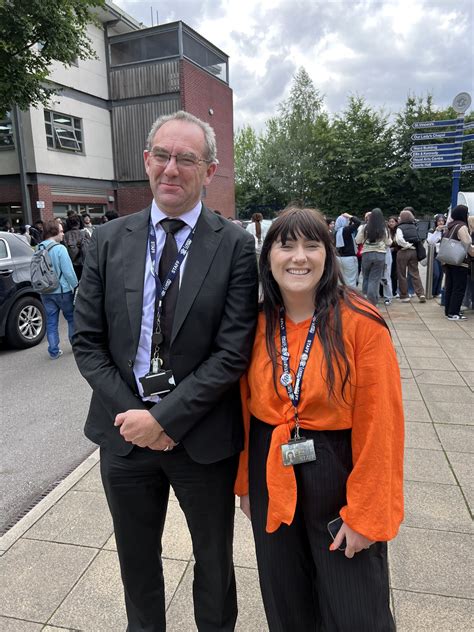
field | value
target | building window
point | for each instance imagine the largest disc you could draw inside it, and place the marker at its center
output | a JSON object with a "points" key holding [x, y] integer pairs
{"points": [[63, 132], [6, 132]]}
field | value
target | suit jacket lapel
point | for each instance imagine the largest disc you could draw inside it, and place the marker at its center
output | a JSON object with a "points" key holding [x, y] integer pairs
{"points": [[134, 248], [205, 243]]}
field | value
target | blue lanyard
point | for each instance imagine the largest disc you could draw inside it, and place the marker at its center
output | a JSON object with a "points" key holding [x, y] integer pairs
{"points": [[162, 289], [294, 392]]}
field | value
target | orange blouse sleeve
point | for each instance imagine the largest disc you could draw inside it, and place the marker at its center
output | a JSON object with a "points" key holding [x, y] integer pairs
{"points": [[375, 485], [241, 487]]}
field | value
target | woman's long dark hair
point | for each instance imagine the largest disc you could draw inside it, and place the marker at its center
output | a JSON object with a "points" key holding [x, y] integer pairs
{"points": [[257, 219], [375, 229], [330, 293]]}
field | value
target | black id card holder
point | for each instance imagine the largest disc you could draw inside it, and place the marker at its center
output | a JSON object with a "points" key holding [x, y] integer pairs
{"points": [[298, 451]]}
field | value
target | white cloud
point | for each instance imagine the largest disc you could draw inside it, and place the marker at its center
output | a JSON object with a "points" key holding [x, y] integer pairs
{"points": [[382, 50]]}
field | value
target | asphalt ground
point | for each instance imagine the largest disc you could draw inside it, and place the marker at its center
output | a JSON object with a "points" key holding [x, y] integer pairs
{"points": [[44, 404]]}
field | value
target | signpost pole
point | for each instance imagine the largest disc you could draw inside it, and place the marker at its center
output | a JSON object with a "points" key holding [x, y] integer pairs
{"points": [[457, 172]]}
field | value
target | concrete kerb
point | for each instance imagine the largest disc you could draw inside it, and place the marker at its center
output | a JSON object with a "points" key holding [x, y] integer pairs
{"points": [[22, 526]]}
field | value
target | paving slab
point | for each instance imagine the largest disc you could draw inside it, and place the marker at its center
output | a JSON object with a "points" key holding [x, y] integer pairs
{"points": [[429, 466], [416, 411], [417, 612], [39, 575], [410, 391], [180, 616], [432, 364], [438, 377], [417, 351], [433, 506], [450, 394], [97, 603], [468, 377], [409, 342], [78, 518], [450, 412], [456, 438], [435, 562], [462, 464], [244, 546], [421, 435], [17, 625], [91, 482], [462, 362]]}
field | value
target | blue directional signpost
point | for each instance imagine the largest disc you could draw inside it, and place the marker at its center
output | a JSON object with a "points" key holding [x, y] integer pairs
{"points": [[447, 154]]}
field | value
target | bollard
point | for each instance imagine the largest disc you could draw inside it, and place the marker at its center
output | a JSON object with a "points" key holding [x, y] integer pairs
{"points": [[430, 255]]}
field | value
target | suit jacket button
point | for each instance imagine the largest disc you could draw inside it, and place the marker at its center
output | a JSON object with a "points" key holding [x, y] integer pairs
{"points": [[130, 363]]}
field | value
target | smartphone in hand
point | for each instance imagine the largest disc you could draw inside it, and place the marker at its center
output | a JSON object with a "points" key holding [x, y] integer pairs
{"points": [[333, 528]]}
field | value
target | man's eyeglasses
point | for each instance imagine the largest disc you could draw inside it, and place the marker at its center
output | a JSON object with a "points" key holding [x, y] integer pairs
{"points": [[183, 161]]}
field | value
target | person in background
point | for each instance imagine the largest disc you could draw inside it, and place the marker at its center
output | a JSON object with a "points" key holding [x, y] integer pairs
{"points": [[456, 276], [345, 229], [25, 234], [392, 224], [62, 298], [74, 240], [255, 228], [407, 237], [375, 239], [469, 295], [110, 215], [88, 225], [434, 237], [324, 369]]}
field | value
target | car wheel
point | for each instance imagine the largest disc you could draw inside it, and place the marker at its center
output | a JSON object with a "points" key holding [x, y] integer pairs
{"points": [[26, 324]]}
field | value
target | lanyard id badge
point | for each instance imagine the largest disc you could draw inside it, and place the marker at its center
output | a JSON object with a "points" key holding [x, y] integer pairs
{"points": [[299, 449], [159, 381]]}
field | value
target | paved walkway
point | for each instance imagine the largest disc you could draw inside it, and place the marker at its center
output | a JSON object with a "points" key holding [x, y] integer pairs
{"points": [[59, 570]]}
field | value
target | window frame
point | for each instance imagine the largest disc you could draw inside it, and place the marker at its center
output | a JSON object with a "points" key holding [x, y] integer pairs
{"points": [[58, 134], [7, 121]]}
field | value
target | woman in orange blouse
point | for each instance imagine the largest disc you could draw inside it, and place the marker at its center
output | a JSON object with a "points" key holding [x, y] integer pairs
{"points": [[324, 439]]}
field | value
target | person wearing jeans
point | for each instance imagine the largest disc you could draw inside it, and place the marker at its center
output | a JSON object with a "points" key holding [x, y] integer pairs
{"points": [[375, 238], [62, 298]]}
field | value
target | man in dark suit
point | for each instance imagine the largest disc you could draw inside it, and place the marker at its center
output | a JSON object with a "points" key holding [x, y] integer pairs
{"points": [[133, 340]]}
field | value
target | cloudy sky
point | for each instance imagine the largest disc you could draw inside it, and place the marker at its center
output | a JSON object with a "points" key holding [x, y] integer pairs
{"points": [[379, 49]]}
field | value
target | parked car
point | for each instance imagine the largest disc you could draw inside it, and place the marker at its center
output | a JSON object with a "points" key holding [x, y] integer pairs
{"points": [[22, 315]]}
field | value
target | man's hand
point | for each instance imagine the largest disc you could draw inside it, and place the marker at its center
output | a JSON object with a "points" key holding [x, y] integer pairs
{"points": [[138, 427], [164, 442], [245, 505], [355, 542]]}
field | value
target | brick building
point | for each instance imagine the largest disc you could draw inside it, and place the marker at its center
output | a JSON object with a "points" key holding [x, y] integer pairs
{"points": [[84, 151]]}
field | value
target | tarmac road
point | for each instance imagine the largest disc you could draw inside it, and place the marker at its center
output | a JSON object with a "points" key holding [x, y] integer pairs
{"points": [[44, 404]]}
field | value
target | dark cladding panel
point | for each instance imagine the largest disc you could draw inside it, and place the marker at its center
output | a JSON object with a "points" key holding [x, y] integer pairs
{"points": [[130, 127], [150, 79]]}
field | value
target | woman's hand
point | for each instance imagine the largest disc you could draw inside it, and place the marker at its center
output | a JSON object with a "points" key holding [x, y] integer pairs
{"points": [[245, 505], [355, 542]]}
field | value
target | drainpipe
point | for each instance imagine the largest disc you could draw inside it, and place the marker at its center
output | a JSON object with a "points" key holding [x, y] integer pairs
{"points": [[20, 148]]}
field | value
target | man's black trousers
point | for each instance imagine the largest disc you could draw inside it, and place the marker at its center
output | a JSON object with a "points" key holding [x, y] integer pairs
{"points": [[137, 488]]}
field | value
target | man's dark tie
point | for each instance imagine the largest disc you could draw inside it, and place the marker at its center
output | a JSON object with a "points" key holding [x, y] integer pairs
{"points": [[167, 259]]}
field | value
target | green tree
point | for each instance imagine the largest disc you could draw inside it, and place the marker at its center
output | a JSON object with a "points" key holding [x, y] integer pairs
{"points": [[33, 34], [289, 154], [359, 163]]}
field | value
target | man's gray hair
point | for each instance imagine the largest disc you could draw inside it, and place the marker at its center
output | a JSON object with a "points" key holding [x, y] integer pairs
{"points": [[210, 147]]}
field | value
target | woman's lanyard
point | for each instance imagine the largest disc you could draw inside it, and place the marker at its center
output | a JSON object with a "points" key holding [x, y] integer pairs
{"points": [[299, 449], [161, 289]]}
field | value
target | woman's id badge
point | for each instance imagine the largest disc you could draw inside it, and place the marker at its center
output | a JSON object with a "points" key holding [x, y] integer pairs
{"points": [[298, 451]]}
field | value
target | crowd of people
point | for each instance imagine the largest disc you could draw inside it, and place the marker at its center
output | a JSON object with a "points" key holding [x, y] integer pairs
{"points": [[387, 254]]}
